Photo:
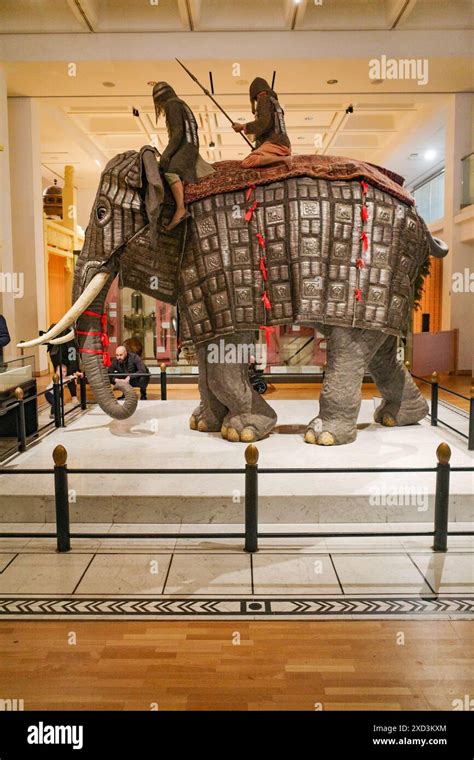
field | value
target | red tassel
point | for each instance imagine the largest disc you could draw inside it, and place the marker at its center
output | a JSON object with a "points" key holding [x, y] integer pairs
{"points": [[365, 213], [105, 357], [249, 212], [365, 186], [358, 294], [266, 301], [267, 330], [103, 334], [263, 268], [360, 264], [261, 239], [365, 241], [249, 192]]}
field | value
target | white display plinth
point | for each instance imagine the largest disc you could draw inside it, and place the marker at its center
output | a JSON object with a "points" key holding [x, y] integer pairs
{"points": [[158, 435]]}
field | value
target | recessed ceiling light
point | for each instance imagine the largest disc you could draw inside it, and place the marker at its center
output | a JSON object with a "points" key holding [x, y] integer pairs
{"points": [[108, 84], [414, 156], [429, 154], [332, 81]]}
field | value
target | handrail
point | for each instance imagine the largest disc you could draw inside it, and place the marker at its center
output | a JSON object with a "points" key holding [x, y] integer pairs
{"points": [[61, 472], [435, 387]]}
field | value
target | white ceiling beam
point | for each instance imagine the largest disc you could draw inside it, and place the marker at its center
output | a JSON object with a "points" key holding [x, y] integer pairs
{"points": [[291, 12], [86, 12], [75, 133], [398, 10], [158, 46], [190, 13]]}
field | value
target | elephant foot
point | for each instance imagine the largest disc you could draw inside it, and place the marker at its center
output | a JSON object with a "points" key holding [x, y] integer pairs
{"points": [[247, 428], [332, 433], [204, 420], [409, 413]]}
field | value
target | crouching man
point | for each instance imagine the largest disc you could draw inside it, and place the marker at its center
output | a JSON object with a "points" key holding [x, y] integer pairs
{"points": [[126, 364]]}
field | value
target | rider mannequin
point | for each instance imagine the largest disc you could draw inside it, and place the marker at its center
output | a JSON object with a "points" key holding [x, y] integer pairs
{"points": [[272, 145], [181, 160]]}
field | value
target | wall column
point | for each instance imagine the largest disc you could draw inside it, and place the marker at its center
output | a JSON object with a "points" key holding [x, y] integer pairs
{"points": [[7, 307], [457, 308], [27, 222]]}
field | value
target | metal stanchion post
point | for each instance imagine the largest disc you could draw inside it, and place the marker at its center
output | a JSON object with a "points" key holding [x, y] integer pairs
{"points": [[470, 444], [56, 400], [163, 381], [443, 453], [83, 392], [434, 399], [19, 395], [63, 537], [251, 499]]}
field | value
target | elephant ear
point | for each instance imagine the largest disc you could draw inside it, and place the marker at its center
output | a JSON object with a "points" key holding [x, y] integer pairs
{"points": [[145, 176]]}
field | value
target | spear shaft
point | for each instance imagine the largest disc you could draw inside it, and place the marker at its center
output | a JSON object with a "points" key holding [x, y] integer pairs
{"points": [[206, 92]]}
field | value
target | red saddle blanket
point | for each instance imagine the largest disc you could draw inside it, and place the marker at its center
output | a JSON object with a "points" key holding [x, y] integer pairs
{"points": [[229, 176]]}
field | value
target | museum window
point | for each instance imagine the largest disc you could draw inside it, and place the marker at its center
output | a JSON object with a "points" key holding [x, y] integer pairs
{"points": [[429, 197]]}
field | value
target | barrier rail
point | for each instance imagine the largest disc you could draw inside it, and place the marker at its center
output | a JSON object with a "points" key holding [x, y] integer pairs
{"points": [[251, 472], [435, 388]]}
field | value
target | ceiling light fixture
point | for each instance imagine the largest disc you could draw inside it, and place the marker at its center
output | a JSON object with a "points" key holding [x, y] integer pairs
{"points": [[332, 81], [429, 154]]}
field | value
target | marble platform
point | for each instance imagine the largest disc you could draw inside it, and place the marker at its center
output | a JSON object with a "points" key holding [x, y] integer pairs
{"points": [[158, 435]]}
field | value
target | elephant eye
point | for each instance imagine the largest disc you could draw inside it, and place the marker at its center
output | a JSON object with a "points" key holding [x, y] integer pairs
{"points": [[103, 211]]}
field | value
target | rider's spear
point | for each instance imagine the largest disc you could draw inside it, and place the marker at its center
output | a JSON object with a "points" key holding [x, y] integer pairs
{"points": [[206, 92]]}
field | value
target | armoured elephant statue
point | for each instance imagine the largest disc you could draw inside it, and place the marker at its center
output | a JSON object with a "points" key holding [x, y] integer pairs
{"points": [[330, 243]]}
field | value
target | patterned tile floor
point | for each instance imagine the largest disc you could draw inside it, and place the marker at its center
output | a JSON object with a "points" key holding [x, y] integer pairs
{"points": [[353, 577]]}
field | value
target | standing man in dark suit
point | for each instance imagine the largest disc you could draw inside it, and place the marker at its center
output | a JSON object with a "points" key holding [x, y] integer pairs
{"points": [[4, 336]]}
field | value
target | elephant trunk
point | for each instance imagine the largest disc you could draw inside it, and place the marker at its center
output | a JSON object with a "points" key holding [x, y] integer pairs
{"points": [[88, 331]]}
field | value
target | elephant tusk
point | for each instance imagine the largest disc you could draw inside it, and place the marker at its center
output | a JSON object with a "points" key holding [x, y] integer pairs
{"points": [[438, 247], [84, 300], [65, 339]]}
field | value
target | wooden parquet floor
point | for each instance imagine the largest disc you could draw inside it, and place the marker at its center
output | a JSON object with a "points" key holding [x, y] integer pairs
{"points": [[330, 665]]}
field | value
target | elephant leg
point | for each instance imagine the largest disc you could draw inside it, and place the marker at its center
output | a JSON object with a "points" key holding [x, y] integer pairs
{"points": [[349, 350], [209, 414], [402, 404], [249, 417]]}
